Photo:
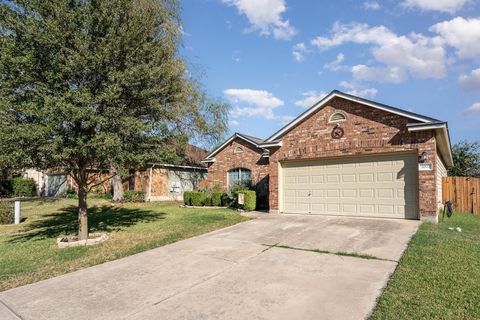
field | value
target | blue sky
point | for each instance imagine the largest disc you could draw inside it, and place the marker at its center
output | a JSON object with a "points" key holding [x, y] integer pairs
{"points": [[272, 59]]}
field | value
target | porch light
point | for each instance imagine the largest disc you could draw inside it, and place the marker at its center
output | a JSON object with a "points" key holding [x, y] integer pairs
{"points": [[424, 156]]}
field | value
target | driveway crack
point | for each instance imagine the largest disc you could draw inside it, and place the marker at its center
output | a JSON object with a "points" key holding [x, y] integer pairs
{"points": [[11, 310], [337, 253]]}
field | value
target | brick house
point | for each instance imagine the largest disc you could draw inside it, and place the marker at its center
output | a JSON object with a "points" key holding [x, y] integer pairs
{"points": [[344, 156]]}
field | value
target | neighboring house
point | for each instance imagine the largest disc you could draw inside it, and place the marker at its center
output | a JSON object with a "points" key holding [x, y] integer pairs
{"points": [[344, 156], [159, 181]]}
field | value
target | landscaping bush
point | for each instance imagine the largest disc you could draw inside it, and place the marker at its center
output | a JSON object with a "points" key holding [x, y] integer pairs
{"points": [[71, 194], [134, 196], [6, 212], [218, 199], [187, 198], [250, 202], [198, 198], [226, 200], [24, 187]]}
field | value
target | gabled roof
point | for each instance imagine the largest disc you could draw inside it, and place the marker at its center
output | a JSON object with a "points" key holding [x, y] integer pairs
{"points": [[252, 140], [417, 122], [335, 94]]}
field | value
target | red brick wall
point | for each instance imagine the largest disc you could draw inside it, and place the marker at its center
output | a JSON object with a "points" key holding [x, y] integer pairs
{"points": [[227, 159], [367, 131]]}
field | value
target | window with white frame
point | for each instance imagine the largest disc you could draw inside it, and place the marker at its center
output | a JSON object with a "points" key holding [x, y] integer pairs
{"points": [[239, 176], [337, 117]]}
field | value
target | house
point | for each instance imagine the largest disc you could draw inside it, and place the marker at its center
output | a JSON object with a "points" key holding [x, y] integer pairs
{"points": [[344, 156], [159, 181]]}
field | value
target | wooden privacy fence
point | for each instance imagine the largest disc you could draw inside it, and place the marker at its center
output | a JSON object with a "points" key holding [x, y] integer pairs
{"points": [[463, 192]]}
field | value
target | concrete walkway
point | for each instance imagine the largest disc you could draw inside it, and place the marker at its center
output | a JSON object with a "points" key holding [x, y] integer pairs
{"points": [[232, 273]]}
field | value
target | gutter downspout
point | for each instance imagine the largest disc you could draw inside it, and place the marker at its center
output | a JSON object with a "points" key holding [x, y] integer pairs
{"points": [[150, 175]]}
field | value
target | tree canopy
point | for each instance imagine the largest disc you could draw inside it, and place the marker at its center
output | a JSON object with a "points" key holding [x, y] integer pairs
{"points": [[87, 84], [466, 159]]}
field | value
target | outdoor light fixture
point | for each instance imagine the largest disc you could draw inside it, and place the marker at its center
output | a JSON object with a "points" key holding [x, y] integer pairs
{"points": [[424, 156]]}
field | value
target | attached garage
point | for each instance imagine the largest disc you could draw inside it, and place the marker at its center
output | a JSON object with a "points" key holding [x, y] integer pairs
{"points": [[375, 186], [347, 156]]}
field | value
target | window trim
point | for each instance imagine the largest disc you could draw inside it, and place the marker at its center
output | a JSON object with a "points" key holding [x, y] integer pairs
{"points": [[330, 120], [238, 149], [240, 172]]}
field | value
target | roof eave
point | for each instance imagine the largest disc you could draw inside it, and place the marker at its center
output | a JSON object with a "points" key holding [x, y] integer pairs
{"points": [[337, 93], [443, 139]]}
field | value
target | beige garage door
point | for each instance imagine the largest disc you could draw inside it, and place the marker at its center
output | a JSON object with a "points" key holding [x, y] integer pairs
{"points": [[378, 186]]}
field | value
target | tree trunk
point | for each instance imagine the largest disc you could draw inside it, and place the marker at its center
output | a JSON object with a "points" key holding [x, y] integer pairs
{"points": [[82, 213], [117, 186]]}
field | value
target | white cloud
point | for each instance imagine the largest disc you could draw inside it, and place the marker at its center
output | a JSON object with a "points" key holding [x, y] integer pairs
{"points": [[358, 90], [260, 102], [299, 51], [336, 65], [450, 6], [379, 74], [311, 97], [415, 54], [234, 122], [286, 119], [470, 81], [371, 5], [462, 34], [474, 108], [265, 16]]}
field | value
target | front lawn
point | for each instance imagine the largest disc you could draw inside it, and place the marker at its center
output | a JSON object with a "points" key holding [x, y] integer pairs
{"points": [[438, 277], [28, 252]]}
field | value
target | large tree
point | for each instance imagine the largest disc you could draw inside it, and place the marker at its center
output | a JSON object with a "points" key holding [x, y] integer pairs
{"points": [[466, 159], [88, 85]]}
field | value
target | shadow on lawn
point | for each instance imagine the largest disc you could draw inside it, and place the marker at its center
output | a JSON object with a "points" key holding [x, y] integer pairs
{"points": [[100, 219]]}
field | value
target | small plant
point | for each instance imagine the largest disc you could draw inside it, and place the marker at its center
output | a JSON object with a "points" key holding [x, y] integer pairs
{"points": [[250, 199], [71, 194], [6, 212], [134, 196], [24, 187]]}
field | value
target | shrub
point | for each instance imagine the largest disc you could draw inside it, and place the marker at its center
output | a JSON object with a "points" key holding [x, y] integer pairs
{"points": [[187, 198], [198, 198], [71, 194], [250, 200], [226, 200], [6, 212], [208, 201], [24, 187], [217, 199], [134, 196]]}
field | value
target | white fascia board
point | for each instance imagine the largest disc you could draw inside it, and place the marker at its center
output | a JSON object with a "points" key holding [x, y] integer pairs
{"points": [[167, 165], [272, 144], [426, 127], [444, 142], [236, 135], [208, 160], [332, 95]]}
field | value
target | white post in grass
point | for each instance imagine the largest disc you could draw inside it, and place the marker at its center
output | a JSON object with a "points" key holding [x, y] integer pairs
{"points": [[17, 212]]}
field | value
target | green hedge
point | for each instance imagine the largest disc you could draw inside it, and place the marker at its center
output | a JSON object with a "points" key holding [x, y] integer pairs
{"points": [[250, 202], [187, 198], [198, 198], [220, 199], [24, 187], [6, 212], [134, 196]]}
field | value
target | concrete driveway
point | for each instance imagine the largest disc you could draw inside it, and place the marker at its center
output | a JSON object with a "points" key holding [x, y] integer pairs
{"points": [[233, 273]]}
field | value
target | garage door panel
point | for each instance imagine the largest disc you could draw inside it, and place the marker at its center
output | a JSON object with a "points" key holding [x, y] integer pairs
{"points": [[381, 186]]}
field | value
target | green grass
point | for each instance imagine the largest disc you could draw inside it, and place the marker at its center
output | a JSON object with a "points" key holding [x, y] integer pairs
{"points": [[438, 276], [28, 252], [339, 253]]}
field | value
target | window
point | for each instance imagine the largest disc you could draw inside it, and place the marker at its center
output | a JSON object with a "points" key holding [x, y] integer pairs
{"points": [[239, 176], [238, 150], [337, 117]]}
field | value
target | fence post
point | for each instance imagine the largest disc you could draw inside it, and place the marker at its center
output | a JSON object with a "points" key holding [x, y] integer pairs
{"points": [[17, 212]]}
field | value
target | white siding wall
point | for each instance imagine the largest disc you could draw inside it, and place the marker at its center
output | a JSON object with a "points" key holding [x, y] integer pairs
{"points": [[441, 172]]}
